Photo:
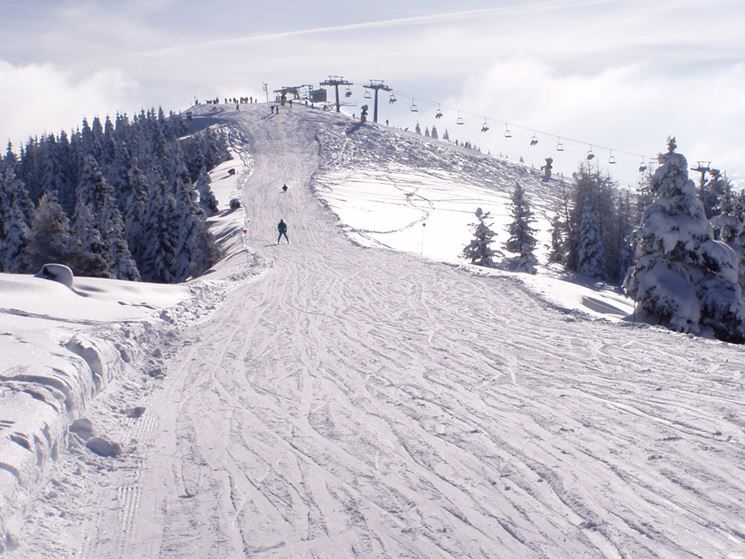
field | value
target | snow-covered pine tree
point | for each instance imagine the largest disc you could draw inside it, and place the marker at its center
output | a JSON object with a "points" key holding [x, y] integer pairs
{"points": [[681, 275], [590, 249], [426, 132], [479, 250], [712, 191], [729, 226], [50, 238], [418, 129], [433, 133], [522, 239], [207, 199], [195, 251], [91, 256], [446, 136], [13, 225], [161, 251], [559, 248], [135, 214], [95, 192]]}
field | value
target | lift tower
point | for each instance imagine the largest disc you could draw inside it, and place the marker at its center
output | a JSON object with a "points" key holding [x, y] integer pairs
{"points": [[377, 85], [336, 81]]}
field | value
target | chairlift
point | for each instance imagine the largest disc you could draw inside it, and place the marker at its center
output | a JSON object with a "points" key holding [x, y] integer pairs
{"points": [[368, 95], [348, 92], [438, 114], [459, 120], [642, 166], [414, 108], [392, 98], [507, 131], [533, 140], [485, 126], [590, 154], [559, 145], [612, 158]]}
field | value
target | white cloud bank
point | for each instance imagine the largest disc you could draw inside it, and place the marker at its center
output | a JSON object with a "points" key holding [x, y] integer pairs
{"points": [[39, 98]]}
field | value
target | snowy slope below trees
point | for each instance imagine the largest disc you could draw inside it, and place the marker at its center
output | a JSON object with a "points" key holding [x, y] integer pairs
{"points": [[359, 402]]}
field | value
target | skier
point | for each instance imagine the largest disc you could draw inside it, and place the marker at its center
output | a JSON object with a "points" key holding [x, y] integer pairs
{"points": [[282, 228], [284, 188]]}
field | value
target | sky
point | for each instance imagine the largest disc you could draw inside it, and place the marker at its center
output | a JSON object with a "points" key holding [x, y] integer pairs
{"points": [[610, 74]]}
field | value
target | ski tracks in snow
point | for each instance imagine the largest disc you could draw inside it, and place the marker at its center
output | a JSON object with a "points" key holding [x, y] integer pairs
{"points": [[353, 402]]}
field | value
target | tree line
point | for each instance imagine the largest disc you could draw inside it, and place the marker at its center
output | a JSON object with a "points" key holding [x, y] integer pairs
{"points": [[676, 249], [125, 199]]}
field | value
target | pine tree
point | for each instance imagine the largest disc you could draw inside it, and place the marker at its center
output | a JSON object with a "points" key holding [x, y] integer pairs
{"points": [[426, 132], [681, 275], [729, 227], [712, 191], [91, 256], [95, 192], [590, 249], [14, 230], [433, 133], [559, 249], [207, 199], [479, 250], [522, 239], [50, 238], [446, 136], [418, 129]]}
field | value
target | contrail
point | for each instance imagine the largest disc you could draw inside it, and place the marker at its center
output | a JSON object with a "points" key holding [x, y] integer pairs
{"points": [[385, 23]]}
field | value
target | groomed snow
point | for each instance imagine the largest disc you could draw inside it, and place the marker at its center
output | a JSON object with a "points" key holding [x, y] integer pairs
{"points": [[353, 401]]}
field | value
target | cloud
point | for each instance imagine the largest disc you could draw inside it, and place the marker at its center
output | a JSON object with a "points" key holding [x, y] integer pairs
{"points": [[631, 108], [38, 98]]}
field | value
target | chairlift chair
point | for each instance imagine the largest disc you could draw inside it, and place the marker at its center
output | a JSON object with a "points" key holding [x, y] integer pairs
{"points": [[368, 95], [438, 114], [507, 131], [533, 140], [414, 108], [459, 120], [485, 126], [559, 145], [392, 98], [612, 158], [590, 154], [642, 166], [348, 92]]}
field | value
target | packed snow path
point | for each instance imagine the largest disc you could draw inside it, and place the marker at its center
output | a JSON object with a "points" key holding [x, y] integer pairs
{"points": [[355, 402]]}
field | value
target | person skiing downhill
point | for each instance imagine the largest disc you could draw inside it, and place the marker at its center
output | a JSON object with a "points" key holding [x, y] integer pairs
{"points": [[282, 228]]}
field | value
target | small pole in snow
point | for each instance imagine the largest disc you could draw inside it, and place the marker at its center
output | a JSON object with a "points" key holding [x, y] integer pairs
{"points": [[421, 247]]}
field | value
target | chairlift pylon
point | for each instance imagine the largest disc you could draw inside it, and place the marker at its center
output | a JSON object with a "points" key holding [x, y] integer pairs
{"points": [[459, 120], [559, 145], [507, 131], [414, 108]]}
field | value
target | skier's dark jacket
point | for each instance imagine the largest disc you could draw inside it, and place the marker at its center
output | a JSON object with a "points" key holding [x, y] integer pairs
{"points": [[282, 227]]}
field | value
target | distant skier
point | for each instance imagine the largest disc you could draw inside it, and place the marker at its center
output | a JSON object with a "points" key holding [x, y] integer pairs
{"points": [[282, 228], [284, 188]]}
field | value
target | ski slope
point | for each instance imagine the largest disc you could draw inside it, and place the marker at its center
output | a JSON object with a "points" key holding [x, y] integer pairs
{"points": [[357, 401]]}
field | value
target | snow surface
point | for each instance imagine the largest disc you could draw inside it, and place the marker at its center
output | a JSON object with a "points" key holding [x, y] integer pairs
{"points": [[353, 401]]}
